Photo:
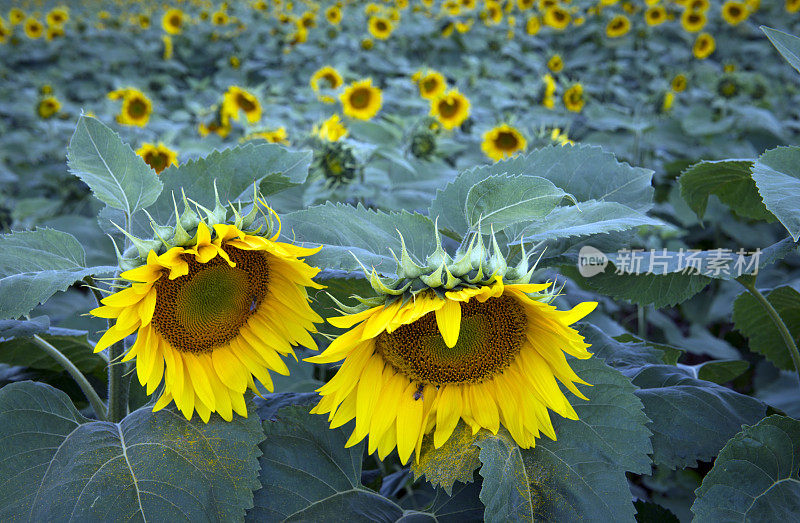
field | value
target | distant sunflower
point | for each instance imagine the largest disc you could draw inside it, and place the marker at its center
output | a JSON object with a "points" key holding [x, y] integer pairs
{"points": [[213, 315], [698, 5], [158, 157], [48, 107], [278, 136], [792, 6], [573, 98], [489, 355], [679, 83], [618, 26], [220, 18], [16, 15], [734, 12], [172, 21], [502, 142], [555, 63], [33, 28], [331, 130], [5, 32], [361, 100], [380, 27], [655, 15], [557, 17], [431, 84], [533, 25], [703, 46], [236, 100], [326, 78], [333, 15], [58, 16], [450, 108], [693, 21], [136, 107]]}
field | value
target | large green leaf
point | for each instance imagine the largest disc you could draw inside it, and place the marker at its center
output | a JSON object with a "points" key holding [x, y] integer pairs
{"points": [[585, 172], [116, 175], [58, 465], [307, 474], [371, 236], [755, 477], [777, 176], [786, 44], [34, 265], [581, 475], [730, 181], [22, 351], [691, 419], [502, 200], [752, 320], [234, 171]]}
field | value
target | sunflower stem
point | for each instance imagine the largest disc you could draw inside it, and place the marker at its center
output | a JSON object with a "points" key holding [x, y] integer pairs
{"points": [[117, 392], [641, 322], [94, 400], [788, 340]]}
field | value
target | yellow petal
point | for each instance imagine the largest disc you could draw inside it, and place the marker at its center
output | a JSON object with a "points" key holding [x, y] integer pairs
{"points": [[409, 421], [368, 391], [230, 369], [448, 319], [448, 412]]}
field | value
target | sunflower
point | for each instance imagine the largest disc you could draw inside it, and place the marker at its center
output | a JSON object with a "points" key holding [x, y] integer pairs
{"points": [[502, 142], [326, 78], [5, 32], [172, 21], [158, 157], [278, 136], [557, 17], [16, 15], [33, 28], [618, 26], [678, 83], [333, 15], [700, 6], [331, 130], [464, 26], [792, 6], [361, 100], [48, 107], [237, 99], [212, 315], [555, 63], [380, 27], [450, 108], [488, 353], [655, 15], [431, 84], [548, 97], [692, 21], [703, 46], [492, 13], [143, 20], [136, 107], [734, 12], [573, 98], [667, 101], [57, 16], [560, 137], [220, 18], [533, 25]]}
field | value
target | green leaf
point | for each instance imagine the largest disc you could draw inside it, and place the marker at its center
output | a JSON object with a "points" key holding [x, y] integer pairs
{"points": [[499, 201], [307, 474], [22, 351], [581, 475], [730, 181], [777, 176], [456, 460], [585, 172], [755, 476], [690, 418], [234, 171], [116, 175], [750, 318], [34, 265], [23, 328], [592, 217], [721, 371], [370, 235], [786, 44], [59, 465]]}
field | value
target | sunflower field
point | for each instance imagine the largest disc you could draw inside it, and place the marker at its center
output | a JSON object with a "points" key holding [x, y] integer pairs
{"points": [[400, 260]]}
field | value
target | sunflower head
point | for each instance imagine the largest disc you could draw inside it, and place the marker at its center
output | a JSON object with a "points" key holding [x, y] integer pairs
{"points": [[423, 143], [158, 157], [336, 162], [361, 100], [450, 108]]}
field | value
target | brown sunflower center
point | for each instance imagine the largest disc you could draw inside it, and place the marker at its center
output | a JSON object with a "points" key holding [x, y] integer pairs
{"points": [[506, 141], [175, 21], [429, 85], [734, 11], [244, 103], [206, 308], [156, 160], [360, 97], [491, 336], [137, 108], [448, 108], [381, 26], [330, 78]]}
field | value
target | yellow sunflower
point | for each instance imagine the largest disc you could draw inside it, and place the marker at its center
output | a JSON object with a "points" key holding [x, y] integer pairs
{"points": [[58, 16], [655, 15], [693, 21], [380, 27], [278, 136], [573, 98], [158, 157], [734, 12], [679, 83], [792, 6], [212, 316], [703, 46], [431, 84], [533, 25], [5, 32], [698, 5], [333, 15], [172, 21], [450, 108], [326, 78], [237, 99], [16, 15], [136, 107], [331, 130], [618, 26], [502, 142], [33, 28], [489, 355], [361, 100], [48, 107], [557, 17], [555, 63]]}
